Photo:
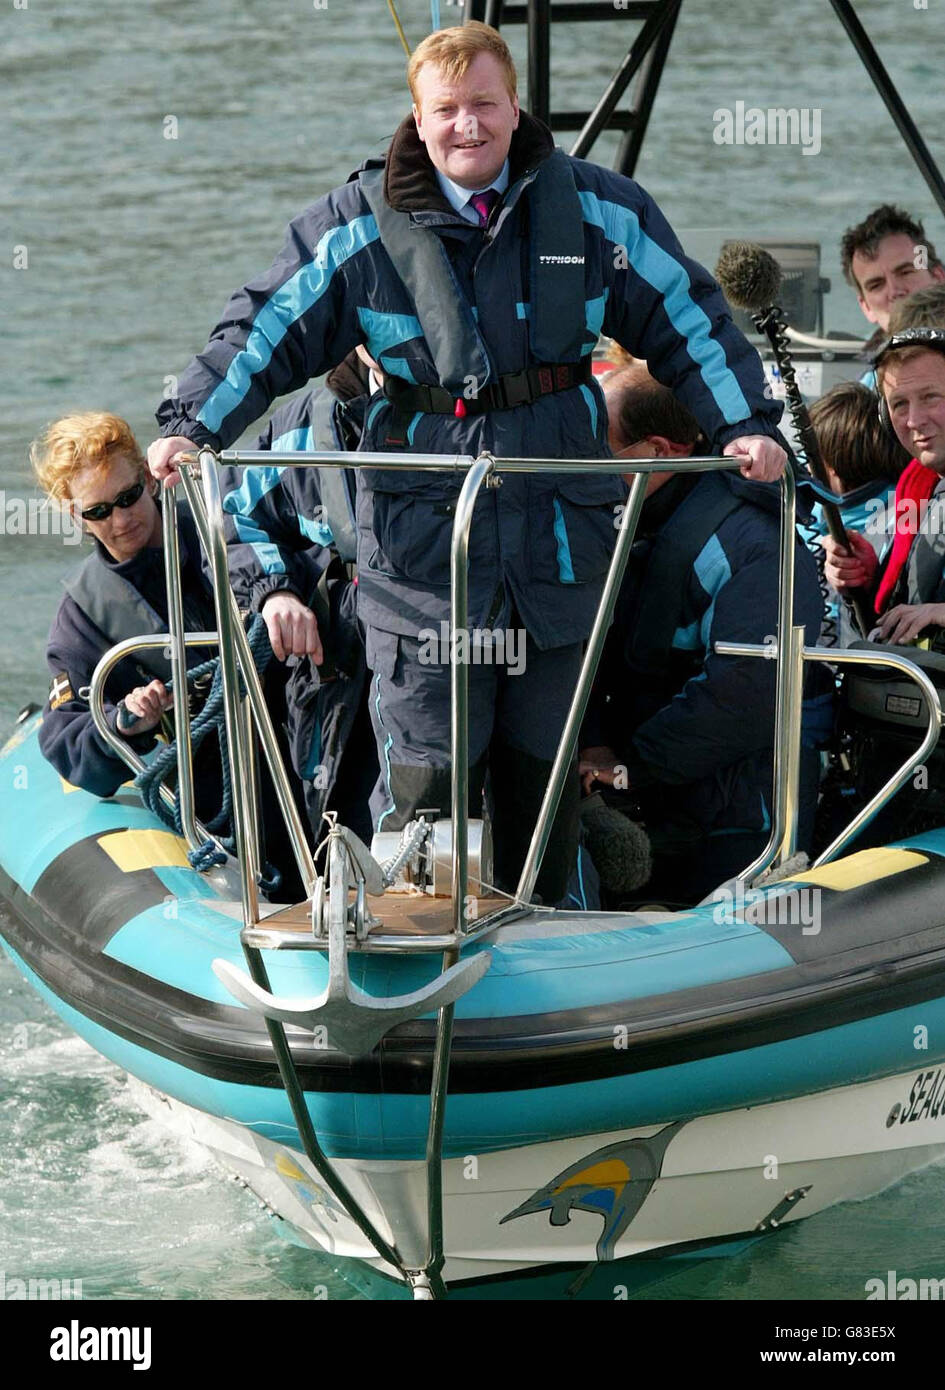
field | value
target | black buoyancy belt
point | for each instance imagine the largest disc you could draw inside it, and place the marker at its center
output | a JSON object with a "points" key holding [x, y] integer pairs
{"points": [[557, 324], [665, 581], [332, 482]]}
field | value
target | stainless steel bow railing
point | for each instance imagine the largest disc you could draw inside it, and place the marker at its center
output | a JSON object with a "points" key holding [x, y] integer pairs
{"points": [[485, 470], [787, 649]]}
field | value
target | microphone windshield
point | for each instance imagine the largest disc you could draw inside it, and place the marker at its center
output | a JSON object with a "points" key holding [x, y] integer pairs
{"points": [[619, 847], [749, 276]]}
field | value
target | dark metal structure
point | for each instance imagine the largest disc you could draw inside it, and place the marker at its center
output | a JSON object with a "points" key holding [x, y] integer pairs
{"points": [[643, 66]]}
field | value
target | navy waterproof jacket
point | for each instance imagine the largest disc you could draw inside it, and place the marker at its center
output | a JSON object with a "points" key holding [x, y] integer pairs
{"points": [[279, 539], [544, 541], [695, 729], [278, 529], [68, 737]]}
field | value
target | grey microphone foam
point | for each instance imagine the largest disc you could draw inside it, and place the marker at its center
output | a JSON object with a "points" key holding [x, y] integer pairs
{"points": [[750, 277]]}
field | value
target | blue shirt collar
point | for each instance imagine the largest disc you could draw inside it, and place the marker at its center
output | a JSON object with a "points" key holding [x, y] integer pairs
{"points": [[458, 197]]}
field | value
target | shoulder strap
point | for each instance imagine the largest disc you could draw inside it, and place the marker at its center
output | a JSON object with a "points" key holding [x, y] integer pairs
{"points": [[117, 609], [665, 580], [557, 290], [332, 486], [446, 317], [337, 503], [924, 565], [332, 483]]}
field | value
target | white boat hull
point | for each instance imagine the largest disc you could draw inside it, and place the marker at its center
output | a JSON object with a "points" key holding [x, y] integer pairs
{"points": [[653, 1187]]}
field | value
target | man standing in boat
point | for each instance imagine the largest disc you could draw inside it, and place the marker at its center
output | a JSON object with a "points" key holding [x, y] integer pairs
{"points": [[478, 265]]}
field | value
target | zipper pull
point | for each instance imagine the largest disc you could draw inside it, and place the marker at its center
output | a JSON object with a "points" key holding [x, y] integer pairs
{"points": [[460, 408]]}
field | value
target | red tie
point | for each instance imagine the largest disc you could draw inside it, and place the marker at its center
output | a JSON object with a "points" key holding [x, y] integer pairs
{"points": [[483, 203]]}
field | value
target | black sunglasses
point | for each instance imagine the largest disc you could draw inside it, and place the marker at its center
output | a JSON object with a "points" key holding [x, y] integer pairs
{"points": [[103, 510]]}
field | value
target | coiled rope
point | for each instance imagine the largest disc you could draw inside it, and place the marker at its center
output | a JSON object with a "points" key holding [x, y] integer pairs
{"points": [[211, 717]]}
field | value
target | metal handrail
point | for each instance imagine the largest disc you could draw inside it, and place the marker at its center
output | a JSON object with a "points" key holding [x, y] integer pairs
{"points": [[195, 833], [489, 467], [783, 837], [237, 754], [175, 621], [595, 646], [481, 472], [898, 779], [787, 737], [214, 543]]}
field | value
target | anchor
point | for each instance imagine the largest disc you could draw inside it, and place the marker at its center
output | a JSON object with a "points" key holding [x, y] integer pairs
{"points": [[355, 1021]]}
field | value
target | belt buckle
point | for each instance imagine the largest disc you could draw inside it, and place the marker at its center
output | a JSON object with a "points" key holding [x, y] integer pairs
{"points": [[515, 390]]}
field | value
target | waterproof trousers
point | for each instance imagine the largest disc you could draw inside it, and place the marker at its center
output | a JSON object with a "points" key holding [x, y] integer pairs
{"points": [[517, 709]]}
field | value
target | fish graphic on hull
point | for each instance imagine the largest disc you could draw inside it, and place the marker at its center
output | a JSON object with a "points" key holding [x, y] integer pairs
{"points": [[612, 1183], [308, 1190]]}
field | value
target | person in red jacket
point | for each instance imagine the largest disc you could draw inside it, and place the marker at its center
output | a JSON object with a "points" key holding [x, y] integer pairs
{"points": [[909, 587]]}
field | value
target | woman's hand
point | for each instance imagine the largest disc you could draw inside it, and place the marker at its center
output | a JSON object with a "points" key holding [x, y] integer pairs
{"points": [[597, 765], [849, 567], [147, 703], [163, 455], [907, 621]]}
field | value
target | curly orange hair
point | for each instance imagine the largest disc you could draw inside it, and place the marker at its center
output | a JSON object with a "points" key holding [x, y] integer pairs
{"points": [[90, 439]]}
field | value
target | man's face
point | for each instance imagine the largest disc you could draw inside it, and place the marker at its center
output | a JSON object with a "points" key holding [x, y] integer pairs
{"points": [[466, 125], [915, 398], [890, 275], [128, 529]]}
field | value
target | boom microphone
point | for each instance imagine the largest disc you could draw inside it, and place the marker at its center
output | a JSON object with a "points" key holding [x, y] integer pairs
{"points": [[618, 846], [750, 279]]}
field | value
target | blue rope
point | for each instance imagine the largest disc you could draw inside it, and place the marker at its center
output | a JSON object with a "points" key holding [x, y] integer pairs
{"points": [[211, 717]]}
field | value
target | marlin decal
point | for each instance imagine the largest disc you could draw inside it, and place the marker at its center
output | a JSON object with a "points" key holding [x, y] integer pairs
{"points": [[612, 1182]]}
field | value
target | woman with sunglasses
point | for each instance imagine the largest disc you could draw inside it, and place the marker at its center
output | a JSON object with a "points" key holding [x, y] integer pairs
{"points": [[91, 464]]}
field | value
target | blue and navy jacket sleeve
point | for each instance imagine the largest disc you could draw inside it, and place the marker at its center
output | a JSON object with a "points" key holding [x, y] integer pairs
{"points": [[726, 712], [290, 324], [68, 737], [668, 309], [277, 536]]}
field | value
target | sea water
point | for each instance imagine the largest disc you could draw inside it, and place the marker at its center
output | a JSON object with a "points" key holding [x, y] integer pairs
{"points": [[151, 158]]}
